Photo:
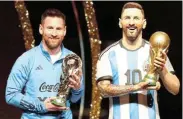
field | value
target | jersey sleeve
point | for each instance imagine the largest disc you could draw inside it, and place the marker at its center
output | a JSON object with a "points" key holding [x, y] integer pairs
{"points": [[103, 68], [169, 66], [16, 82]]}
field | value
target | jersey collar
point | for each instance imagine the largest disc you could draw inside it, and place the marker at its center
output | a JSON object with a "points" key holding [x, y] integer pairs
{"points": [[47, 55], [122, 46]]}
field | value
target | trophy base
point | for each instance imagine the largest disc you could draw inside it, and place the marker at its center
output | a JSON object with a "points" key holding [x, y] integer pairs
{"points": [[151, 79], [61, 102]]}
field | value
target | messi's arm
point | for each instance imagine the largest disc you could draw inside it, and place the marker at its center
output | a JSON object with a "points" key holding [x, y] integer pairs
{"points": [[77, 93], [16, 82]]}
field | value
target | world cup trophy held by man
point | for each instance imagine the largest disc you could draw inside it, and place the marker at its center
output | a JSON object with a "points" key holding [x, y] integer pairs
{"points": [[71, 64], [159, 41]]}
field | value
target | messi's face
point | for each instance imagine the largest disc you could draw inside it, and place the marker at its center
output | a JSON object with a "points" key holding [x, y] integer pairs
{"points": [[53, 31]]}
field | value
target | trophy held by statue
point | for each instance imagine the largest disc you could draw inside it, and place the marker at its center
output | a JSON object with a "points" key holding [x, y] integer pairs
{"points": [[159, 42], [71, 64]]}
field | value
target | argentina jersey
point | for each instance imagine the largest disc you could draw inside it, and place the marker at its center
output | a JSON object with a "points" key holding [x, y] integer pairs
{"points": [[128, 67]]}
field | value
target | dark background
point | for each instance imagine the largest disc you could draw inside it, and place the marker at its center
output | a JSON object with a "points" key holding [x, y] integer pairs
{"points": [[161, 15]]}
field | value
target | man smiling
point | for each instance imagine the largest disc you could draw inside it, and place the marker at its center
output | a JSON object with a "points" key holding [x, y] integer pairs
{"points": [[34, 78]]}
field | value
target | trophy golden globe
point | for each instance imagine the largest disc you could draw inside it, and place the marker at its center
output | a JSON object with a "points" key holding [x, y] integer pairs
{"points": [[159, 42], [71, 64]]}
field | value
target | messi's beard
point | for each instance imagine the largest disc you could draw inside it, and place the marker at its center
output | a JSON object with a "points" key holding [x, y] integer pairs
{"points": [[51, 45]]}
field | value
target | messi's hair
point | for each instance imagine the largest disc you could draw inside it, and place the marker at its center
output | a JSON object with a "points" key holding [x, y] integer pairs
{"points": [[52, 12]]}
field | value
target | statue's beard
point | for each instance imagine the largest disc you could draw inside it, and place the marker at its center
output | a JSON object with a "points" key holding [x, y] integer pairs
{"points": [[132, 36]]}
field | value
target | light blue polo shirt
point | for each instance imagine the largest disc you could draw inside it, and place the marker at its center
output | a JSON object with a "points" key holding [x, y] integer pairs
{"points": [[34, 78]]}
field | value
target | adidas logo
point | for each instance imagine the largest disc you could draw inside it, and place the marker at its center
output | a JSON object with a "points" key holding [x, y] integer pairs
{"points": [[39, 68]]}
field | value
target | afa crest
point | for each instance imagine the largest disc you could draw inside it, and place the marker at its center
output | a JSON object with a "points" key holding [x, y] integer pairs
{"points": [[146, 66]]}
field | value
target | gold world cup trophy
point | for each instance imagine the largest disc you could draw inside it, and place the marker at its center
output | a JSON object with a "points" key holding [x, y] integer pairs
{"points": [[71, 64], [159, 42]]}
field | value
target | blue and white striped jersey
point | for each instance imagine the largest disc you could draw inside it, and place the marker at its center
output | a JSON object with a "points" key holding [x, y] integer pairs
{"points": [[128, 67]]}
